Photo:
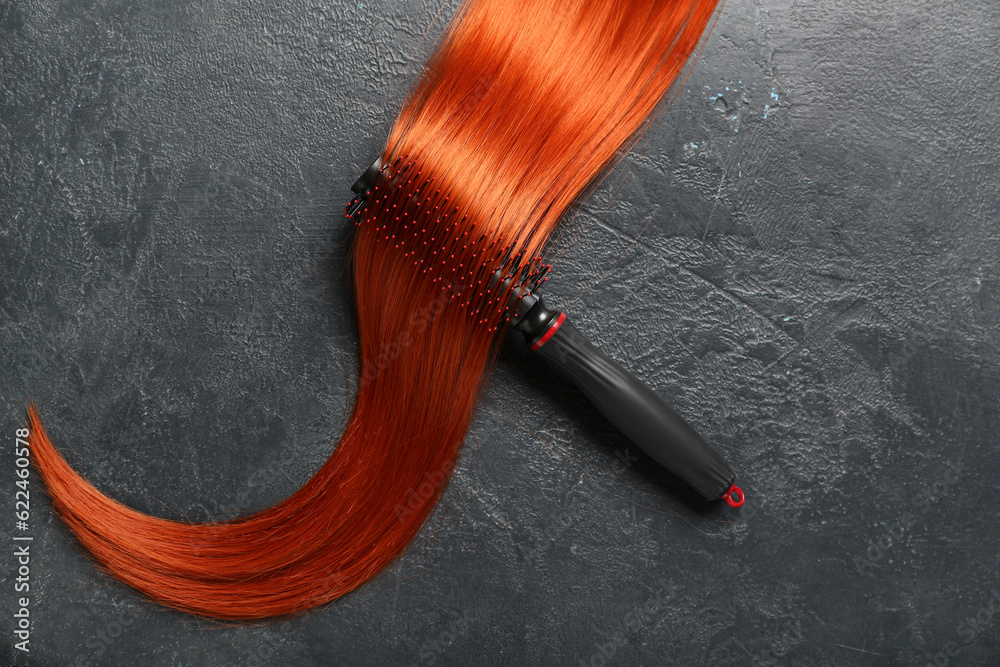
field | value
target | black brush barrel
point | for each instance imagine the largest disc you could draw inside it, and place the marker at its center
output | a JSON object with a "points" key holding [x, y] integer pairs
{"points": [[638, 412]]}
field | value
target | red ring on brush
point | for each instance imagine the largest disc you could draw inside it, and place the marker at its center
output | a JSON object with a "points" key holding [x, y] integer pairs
{"points": [[734, 496], [552, 330]]}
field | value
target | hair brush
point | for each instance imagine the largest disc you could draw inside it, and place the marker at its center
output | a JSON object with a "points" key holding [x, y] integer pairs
{"points": [[625, 400]]}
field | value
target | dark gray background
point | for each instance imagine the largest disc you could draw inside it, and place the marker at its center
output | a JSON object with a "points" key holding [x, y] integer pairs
{"points": [[815, 287]]}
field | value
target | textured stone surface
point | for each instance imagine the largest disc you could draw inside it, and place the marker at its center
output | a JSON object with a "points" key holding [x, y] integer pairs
{"points": [[814, 286]]}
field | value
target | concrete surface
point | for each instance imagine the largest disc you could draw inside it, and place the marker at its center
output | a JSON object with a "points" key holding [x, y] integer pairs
{"points": [[815, 287]]}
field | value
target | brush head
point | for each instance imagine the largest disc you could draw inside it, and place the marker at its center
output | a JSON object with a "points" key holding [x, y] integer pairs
{"points": [[493, 280], [362, 189]]}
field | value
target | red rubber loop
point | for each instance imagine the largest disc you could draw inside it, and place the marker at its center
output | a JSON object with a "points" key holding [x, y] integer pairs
{"points": [[548, 334], [734, 496]]}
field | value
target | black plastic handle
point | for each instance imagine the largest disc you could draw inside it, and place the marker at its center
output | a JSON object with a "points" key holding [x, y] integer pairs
{"points": [[638, 412]]}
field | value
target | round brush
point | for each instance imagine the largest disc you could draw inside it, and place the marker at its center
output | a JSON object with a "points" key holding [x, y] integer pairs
{"points": [[625, 400]]}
